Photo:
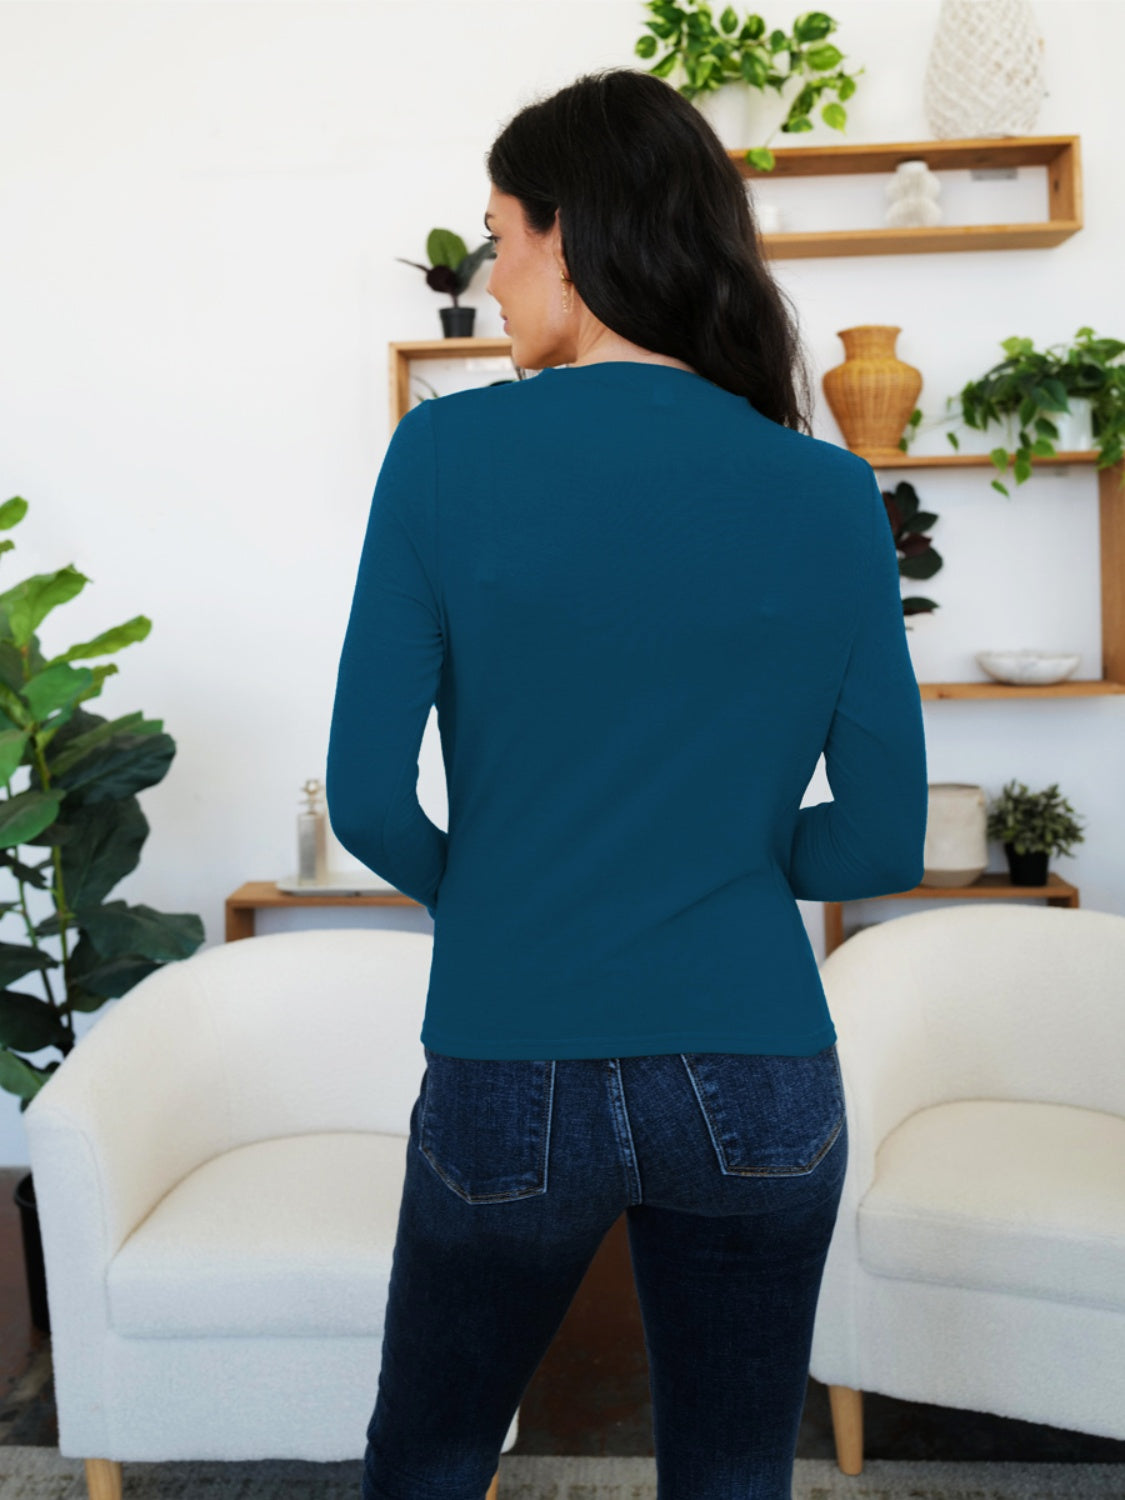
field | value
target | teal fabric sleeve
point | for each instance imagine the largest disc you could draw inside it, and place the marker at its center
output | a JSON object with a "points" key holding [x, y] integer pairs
{"points": [[389, 670], [866, 841]]}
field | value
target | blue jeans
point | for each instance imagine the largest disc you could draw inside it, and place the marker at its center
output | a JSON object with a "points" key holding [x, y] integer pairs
{"points": [[729, 1169]]}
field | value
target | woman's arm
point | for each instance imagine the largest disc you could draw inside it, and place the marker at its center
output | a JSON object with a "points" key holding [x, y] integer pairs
{"points": [[388, 676], [869, 840]]}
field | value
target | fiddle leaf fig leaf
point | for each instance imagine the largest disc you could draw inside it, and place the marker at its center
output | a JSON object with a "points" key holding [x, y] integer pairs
{"points": [[114, 639], [24, 816], [80, 805], [29, 603]]}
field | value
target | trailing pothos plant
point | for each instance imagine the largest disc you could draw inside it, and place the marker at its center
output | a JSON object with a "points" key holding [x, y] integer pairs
{"points": [[744, 53], [1031, 386], [79, 804]]}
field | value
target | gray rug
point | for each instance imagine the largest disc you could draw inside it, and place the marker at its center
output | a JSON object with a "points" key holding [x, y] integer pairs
{"points": [[41, 1474]]}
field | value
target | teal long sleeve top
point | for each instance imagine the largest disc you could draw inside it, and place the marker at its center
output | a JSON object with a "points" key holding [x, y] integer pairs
{"points": [[643, 611]]}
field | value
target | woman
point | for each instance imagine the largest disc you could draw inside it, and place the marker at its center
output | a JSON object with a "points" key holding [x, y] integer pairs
{"points": [[645, 600]]}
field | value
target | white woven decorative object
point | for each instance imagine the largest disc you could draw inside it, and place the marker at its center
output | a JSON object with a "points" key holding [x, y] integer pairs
{"points": [[984, 76]]}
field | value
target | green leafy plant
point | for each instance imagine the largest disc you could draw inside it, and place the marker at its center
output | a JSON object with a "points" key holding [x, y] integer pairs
{"points": [[744, 54], [1031, 384], [1034, 821], [451, 267], [920, 558], [79, 804]]}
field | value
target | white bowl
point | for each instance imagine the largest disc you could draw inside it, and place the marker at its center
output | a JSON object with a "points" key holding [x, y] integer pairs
{"points": [[1037, 667]]}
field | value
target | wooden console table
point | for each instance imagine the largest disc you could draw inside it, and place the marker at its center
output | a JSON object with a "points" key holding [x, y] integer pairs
{"points": [[991, 886], [256, 895]]}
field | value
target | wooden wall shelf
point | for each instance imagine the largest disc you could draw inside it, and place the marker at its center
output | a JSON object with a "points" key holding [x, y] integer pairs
{"points": [[1060, 154], [1111, 536], [254, 896], [993, 885], [1073, 687], [1111, 531], [980, 460]]}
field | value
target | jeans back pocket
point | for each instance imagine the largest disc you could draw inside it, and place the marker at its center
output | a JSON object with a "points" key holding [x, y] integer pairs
{"points": [[769, 1115], [485, 1125]]}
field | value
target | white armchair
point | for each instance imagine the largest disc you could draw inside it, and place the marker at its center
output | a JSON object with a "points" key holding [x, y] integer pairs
{"points": [[978, 1258], [218, 1167]]}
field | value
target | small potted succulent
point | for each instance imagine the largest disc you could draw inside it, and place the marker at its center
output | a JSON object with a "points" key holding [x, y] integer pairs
{"points": [[1032, 827], [451, 269]]}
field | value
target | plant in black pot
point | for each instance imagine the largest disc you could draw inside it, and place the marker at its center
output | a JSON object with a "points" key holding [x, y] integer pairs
{"points": [[451, 269], [80, 805], [1032, 827]]}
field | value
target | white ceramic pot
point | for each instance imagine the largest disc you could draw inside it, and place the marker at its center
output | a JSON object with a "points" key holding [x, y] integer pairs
{"points": [[956, 847], [1076, 433], [730, 111], [1002, 434]]}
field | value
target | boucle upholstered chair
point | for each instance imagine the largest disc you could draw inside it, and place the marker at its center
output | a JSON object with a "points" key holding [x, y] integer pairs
{"points": [[218, 1168], [978, 1258]]}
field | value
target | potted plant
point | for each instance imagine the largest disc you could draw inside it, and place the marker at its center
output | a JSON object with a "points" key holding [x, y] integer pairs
{"points": [[450, 270], [920, 558], [745, 55], [80, 804], [1032, 826], [1030, 385]]}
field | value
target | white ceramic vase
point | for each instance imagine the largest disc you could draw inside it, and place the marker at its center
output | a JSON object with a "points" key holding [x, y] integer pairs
{"points": [[956, 847], [984, 75]]}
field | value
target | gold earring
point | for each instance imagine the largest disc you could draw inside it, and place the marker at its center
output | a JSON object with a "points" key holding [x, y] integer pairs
{"points": [[567, 295]]}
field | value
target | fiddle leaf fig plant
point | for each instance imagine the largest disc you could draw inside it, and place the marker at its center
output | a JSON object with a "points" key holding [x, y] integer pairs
{"points": [[79, 804], [451, 267], [744, 54]]}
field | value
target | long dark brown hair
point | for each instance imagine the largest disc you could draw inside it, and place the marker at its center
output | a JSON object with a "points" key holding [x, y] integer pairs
{"points": [[657, 231]]}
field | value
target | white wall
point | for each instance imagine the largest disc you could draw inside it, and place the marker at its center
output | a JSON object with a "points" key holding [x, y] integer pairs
{"points": [[201, 207]]}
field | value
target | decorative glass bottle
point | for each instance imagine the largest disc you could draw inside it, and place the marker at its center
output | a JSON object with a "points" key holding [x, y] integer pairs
{"points": [[312, 838]]}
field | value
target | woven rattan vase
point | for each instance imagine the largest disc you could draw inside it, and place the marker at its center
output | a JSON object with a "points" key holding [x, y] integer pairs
{"points": [[873, 392]]}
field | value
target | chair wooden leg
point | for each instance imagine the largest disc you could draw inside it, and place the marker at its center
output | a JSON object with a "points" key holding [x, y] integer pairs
{"points": [[494, 1487], [847, 1427], [103, 1478]]}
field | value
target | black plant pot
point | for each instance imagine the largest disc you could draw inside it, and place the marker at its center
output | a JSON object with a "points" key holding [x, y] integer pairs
{"points": [[457, 322], [24, 1197], [1029, 868]]}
